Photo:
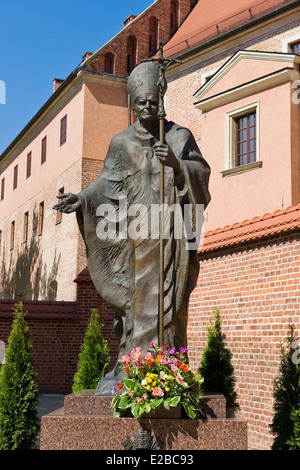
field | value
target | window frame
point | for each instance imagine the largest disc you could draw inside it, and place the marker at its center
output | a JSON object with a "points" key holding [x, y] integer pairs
{"points": [[41, 217], [28, 164], [295, 43], [2, 188], [247, 140], [12, 234], [15, 177], [63, 129], [44, 150], [26, 227], [230, 139], [58, 213], [288, 43]]}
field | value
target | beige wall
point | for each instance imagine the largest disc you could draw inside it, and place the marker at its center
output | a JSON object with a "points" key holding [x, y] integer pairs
{"points": [[276, 184], [59, 157], [105, 115], [95, 112], [251, 193]]}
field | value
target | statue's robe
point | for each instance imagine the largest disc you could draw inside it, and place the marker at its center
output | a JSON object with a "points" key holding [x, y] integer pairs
{"points": [[125, 271]]}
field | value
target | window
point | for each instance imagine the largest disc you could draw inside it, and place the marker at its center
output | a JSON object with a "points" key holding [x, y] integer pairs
{"points": [[245, 139], [12, 235], [15, 181], [174, 16], [153, 38], [44, 150], [131, 53], [58, 213], [41, 218], [2, 188], [25, 232], [28, 165], [63, 130], [295, 48], [109, 63], [53, 290], [242, 139]]}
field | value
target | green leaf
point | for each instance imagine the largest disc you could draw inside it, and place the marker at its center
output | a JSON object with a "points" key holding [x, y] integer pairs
{"points": [[175, 401], [125, 402], [114, 402], [148, 407], [157, 402], [167, 404], [135, 410], [189, 411], [130, 384]]}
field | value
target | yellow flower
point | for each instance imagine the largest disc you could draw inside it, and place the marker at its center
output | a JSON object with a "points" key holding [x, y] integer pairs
{"points": [[149, 381], [167, 389], [148, 386], [154, 383], [169, 377]]}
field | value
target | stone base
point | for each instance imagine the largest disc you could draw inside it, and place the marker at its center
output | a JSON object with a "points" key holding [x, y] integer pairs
{"points": [[86, 423]]}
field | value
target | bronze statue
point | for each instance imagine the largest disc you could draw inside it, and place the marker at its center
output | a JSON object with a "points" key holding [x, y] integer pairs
{"points": [[123, 263]]}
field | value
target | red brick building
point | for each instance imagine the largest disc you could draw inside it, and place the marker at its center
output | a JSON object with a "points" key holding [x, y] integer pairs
{"points": [[236, 89]]}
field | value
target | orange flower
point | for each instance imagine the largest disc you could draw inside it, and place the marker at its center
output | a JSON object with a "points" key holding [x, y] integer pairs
{"points": [[159, 358], [151, 361]]}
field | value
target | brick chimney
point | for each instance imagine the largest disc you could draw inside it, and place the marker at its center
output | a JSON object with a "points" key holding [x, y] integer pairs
{"points": [[86, 56], [129, 20], [56, 83]]}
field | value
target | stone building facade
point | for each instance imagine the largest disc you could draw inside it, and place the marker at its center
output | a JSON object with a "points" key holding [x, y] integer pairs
{"points": [[236, 88]]}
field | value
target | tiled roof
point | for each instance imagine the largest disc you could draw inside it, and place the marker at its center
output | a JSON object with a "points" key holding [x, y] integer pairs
{"points": [[269, 224], [210, 19]]}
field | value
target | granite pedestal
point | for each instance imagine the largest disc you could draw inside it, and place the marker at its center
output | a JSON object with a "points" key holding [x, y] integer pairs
{"points": [[86, 423]]}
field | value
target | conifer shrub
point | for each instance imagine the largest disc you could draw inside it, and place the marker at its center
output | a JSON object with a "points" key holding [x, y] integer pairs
{"points": [[216, 367], [285, 425], [93, 357], [19, 395]]}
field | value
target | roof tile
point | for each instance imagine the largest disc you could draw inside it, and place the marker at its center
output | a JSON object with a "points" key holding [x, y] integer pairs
{"points": [[258, 227]]}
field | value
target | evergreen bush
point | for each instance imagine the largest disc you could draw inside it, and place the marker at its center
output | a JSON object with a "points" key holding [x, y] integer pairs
{"points": [[285, 425], [216, 367], [93, 357], [19, 395]]}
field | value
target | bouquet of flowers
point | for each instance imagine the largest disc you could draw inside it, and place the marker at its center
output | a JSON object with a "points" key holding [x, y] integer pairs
{"points": [[162, 378]]}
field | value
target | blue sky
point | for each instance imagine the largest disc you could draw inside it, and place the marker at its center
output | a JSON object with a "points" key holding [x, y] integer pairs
{"points": [[43, 40]]}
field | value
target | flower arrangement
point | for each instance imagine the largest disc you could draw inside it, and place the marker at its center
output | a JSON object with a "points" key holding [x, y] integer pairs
{"points": [[162, 378]]}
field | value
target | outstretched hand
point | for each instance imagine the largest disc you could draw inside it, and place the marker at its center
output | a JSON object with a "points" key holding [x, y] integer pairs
{"points": [[70, 203]]}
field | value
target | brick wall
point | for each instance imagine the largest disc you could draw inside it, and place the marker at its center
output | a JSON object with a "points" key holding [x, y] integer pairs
{"points": [[57, 330], [256, 288], [140, 28]]}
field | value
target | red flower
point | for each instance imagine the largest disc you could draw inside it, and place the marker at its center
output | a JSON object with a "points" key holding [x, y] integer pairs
{"points": [[183, 367], [151, 361], [120, 386]]}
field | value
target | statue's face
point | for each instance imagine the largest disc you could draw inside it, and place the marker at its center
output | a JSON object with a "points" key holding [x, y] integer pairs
{"points": [[146, 109]]}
